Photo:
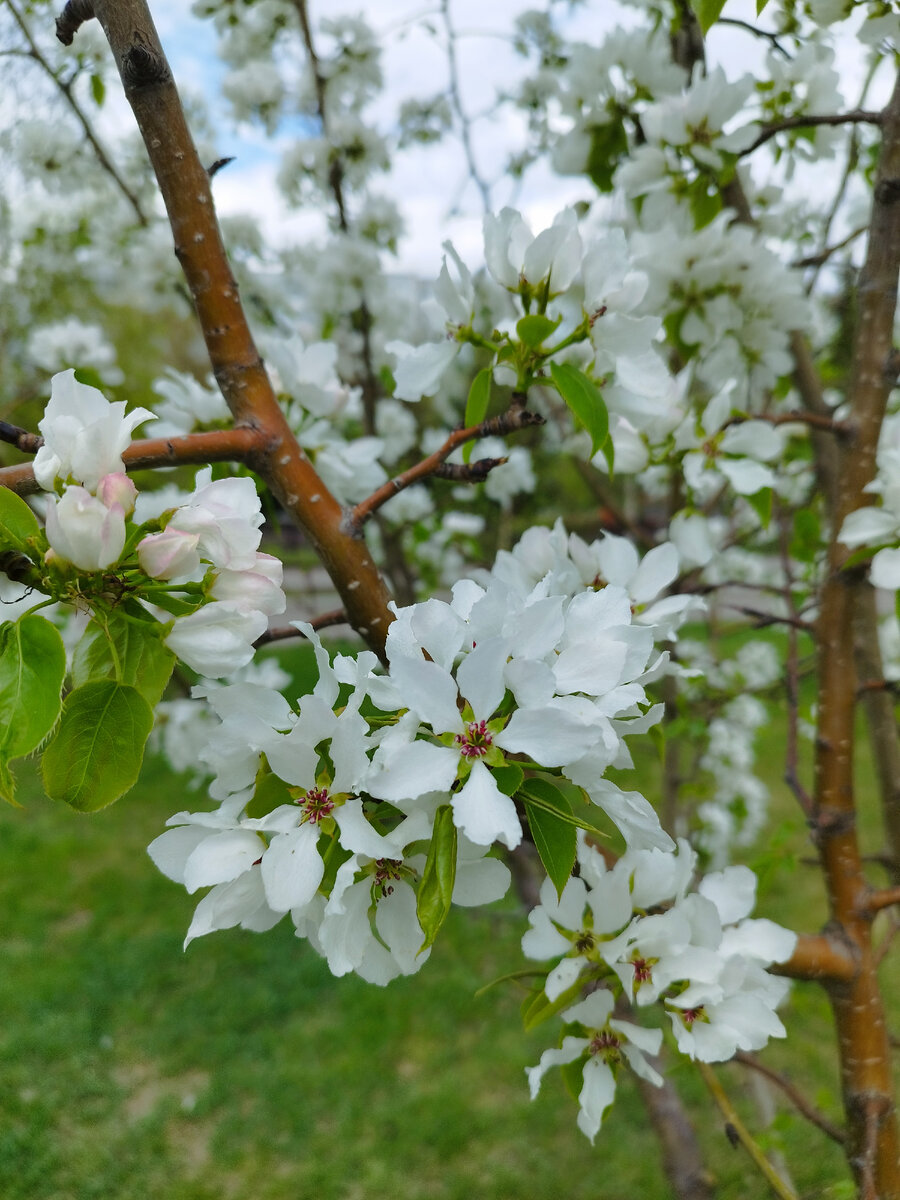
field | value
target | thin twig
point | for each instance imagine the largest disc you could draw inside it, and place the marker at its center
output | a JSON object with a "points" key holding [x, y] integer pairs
{"points": [[735, 1128], [882, 898], [279, 633], [81, 11], [803, 121], [514, 419], [794, 1094], [819, 260], [465, 124], [792, 675], [757, 32]]}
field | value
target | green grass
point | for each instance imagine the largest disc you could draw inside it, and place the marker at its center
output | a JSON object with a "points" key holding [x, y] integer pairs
{"points": [[131, 1070]]}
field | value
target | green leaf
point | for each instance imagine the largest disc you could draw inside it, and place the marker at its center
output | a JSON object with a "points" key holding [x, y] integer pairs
{"points": [[98, 90], [536, 796], [536, 1008], [707, 12], [32, 669], [95, 755], [761, 503], [535, 329], [125, 652], [807, 536], [508, 778], [477, 405], [438, 876], [17, 522], [554, 837], [583, 397], [760, 5], [609, 142], [270, 791]]}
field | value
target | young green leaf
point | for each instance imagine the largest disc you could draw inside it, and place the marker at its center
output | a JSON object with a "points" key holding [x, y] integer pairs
{"points": [[438, 876], [707, 12], [32, 669], [98, 90], [583, 397], [534, 329], [17, 522], [760, 5], [508, 778], [96, 753], [537, 797], [477, 405], [554, 837], [125, 652], [536, 1008]]}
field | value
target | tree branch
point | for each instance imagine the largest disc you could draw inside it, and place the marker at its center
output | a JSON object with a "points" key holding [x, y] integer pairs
{"points": [[513, 419], [280, 633], [757, 32], [22, 439], [238, 368], [800, 417], [241, 443], [794, 1094], [857, 117], [821, 957]]}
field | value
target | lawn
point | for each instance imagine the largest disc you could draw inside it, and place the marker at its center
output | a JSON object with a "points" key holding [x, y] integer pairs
{"points": [[241, 1068]]}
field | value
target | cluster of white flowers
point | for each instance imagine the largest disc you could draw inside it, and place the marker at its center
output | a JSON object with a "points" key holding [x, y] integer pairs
{"points": [[208, 548], [636, 931]]}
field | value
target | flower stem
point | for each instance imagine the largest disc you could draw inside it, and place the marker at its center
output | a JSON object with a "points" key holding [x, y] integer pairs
{"points": [[737, 1128]]}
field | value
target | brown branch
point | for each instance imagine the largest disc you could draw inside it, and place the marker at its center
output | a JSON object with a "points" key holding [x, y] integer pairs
{"points": [[792, 675], [235, 360], [280, 633], [764, 619], [801, 417], [22, 439], [73, 17], [857, 117], [859, 1008], [819, 956], [472, 472], [81, 11], [513, 419], [794, 1094], [883, 898], [238, 444], [818, 260]]}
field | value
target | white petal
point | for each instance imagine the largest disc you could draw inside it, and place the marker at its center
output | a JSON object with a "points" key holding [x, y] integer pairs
{"points": [[292, 868], [484, 813], [222, 857]]}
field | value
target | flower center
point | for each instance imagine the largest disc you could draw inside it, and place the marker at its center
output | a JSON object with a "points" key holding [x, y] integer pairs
{"points": [[690, 1015], [606, 1044], [475, 741], [386, 869], [316, 804], [643, 970]]}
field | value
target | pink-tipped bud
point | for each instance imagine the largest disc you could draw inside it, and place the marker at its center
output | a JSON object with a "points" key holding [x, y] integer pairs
{"points": [[169, 555], [117, 488]]}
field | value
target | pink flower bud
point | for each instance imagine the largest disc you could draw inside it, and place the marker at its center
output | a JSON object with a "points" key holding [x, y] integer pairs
{"points": [[171, 554], [117, 488]]}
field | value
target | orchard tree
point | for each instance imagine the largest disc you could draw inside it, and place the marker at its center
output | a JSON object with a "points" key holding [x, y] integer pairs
{"points": [[698, 355]]}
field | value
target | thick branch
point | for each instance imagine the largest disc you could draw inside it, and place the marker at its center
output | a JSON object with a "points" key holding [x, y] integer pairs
{"points": [[185, 188], [859, 1010], [514, 419], [819, 956], [857, 117]]}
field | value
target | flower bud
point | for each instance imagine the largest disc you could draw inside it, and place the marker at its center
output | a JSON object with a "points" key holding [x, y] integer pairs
{"points": [[171, 554], [117, 488], [83, 531]]}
